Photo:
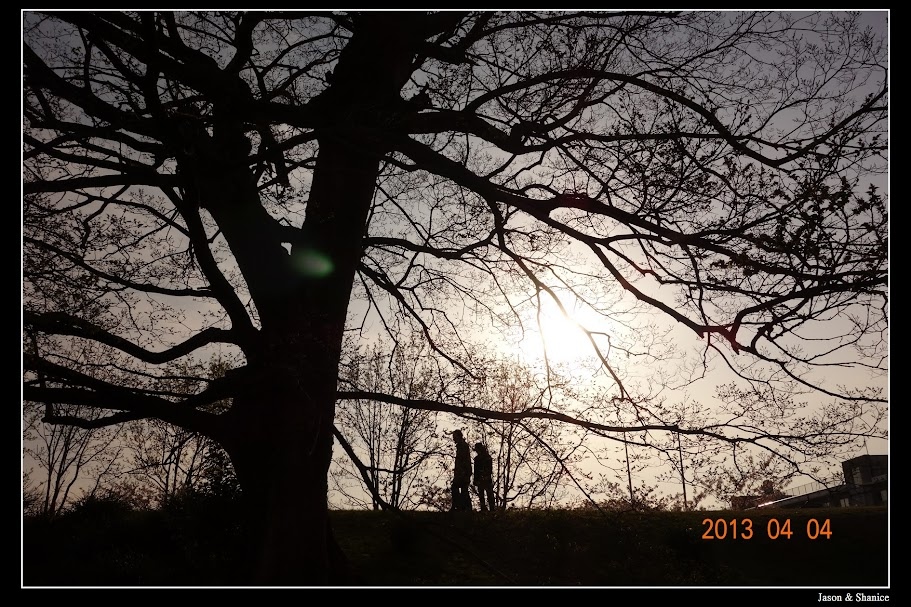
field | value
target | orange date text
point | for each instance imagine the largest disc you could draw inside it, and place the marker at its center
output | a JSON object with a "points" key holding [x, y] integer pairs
{"points": [[775, 529]]}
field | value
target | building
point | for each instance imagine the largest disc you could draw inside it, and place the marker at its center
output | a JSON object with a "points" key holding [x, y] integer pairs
{"points": [[866, 483]]}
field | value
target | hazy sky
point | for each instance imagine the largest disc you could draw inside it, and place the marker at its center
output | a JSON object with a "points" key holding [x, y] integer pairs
{"points": [[569, 348]]}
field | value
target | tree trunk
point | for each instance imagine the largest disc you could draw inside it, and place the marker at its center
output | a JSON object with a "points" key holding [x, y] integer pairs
{"points": [[282, 470], [279, 432]]}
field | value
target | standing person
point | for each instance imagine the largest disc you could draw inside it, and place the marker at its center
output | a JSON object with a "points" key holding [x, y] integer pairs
{"points": [[461, 475], [483, 476]]}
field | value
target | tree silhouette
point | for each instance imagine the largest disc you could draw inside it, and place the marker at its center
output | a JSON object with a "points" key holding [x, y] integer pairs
{"points": [[261, 182], [67, 463], [530, 458], [399, 444], [166, 461]]}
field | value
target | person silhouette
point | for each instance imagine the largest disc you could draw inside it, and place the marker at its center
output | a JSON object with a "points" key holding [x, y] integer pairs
{"points": [[461, 474], [483, 476]]}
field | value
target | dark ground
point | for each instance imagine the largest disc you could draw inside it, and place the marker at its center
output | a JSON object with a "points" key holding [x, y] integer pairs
{"points": [[517, 548]]}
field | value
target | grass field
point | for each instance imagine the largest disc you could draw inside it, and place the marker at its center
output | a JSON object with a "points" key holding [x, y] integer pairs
{"points": [[566, 548], [516, 548]]}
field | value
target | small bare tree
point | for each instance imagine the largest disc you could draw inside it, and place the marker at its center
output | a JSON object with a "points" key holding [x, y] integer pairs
{"points": [[393, 447], [67, 463], [169, 460], [533, 459]]}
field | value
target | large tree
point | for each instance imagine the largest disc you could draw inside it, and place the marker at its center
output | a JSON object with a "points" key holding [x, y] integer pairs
{"points": [[261, 182]]}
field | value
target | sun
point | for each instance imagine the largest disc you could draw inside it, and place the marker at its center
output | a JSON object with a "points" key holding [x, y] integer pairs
{"points": [[559, 335]]}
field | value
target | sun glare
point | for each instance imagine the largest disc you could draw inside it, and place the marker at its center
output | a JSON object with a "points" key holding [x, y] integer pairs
{"points": [[559, 335]]}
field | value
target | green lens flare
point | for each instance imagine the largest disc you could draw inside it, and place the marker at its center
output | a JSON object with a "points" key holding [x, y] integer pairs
{"points": [[312, 263]]}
